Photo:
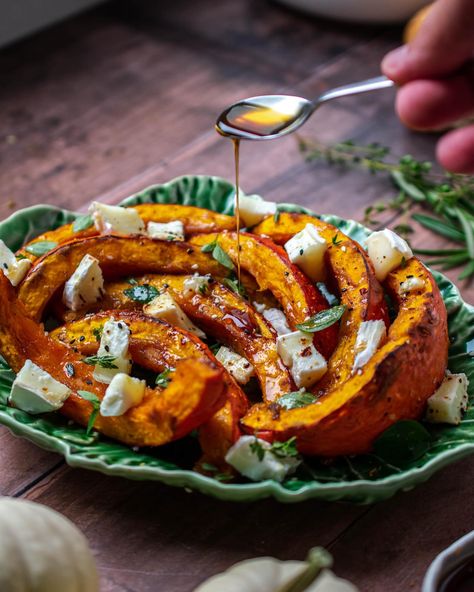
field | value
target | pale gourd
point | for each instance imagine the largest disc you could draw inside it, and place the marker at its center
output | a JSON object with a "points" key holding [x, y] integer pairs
{"points": [[42, 551], [266, 574]]}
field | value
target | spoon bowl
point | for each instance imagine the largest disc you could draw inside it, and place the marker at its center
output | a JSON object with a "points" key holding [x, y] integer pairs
{"points": [[267, 117]]}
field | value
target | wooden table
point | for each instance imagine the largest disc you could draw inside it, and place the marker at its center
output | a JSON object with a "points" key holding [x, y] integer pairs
{"points": [[122, 97]]}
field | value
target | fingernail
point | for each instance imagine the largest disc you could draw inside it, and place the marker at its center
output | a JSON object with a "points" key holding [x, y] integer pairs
{"points": [[394, 62]]}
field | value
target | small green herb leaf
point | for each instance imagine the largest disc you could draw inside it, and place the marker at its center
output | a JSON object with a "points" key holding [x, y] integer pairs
{"points": [[143, 294], [41, 248], [402, 442], [218, 253], [234, 285], [276, 216], [335, 240], [209, 247], [97, 332], [257, 448], [221, 257], [323, 319], [296, 399], [95, 402], [285, 449], [82, 223], [102, 361], [163, 379]]}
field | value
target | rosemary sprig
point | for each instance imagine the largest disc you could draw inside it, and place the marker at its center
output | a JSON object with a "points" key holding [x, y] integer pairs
{"points": [[449, 197]]}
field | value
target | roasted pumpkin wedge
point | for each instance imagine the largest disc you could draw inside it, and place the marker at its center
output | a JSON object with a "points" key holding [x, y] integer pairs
{"points": [[156, 345], [222, 314], [195, 221], [393, 385], [196, 393], [117, 255], [352, 276], [273, 271]]}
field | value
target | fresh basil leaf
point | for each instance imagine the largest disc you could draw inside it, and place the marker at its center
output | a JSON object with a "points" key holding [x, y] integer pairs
{"points": [[322, 320], [402, 442], [144, 293], [82, 223], [41, 248], [296, 399], [221, 257]]}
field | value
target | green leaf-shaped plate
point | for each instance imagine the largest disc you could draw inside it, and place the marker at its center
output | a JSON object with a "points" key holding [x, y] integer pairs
{"points": [[362, 479]]}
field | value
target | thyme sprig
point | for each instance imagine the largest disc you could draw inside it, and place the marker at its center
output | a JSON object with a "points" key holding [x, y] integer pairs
{"points": [[449, 197]]}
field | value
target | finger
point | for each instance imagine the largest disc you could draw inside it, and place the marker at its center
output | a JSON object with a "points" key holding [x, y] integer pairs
{"points": [[443, 44], [455, 150], [431, 104]]}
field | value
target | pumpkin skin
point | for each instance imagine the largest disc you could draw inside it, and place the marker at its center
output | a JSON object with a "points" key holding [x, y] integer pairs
{"points": [[348, 418], [351, 275], [157, 420], [42, 551], [269, 264], [195, 221]]}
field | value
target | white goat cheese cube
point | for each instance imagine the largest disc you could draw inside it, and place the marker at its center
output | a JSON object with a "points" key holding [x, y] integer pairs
{"points": [[277, 320], [410, 285], [298, 353], [114, 347], [86, 284], [253, 209], [196, 284], [14, 269], [122, 393], [36, 391], [243, 457], [164, 307], [449, 401], [387, 250], [171, 231], [369, 336], [306, 250], [116, 220], [241, 369]]}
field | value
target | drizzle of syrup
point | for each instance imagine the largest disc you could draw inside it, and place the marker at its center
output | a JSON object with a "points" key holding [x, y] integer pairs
{"points": [[240, 319], [236, 143]]}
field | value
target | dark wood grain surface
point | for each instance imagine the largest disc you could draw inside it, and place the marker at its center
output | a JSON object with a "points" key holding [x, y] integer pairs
{"points": [[126, 95]]}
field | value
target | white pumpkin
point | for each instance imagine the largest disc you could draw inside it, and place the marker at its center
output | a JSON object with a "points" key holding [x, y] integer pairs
{"points": [[266, 574], [42, 551]]}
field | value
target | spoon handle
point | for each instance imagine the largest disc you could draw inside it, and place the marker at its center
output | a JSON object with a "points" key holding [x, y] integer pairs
{"points": [[354, 89]]}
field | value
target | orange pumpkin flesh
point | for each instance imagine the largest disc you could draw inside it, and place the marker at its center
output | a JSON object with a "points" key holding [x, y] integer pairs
{"points": [[269, 265], [194, 395], [393, 385]]}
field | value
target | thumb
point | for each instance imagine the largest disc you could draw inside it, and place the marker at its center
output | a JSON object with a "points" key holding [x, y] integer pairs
{"points": [[444, 43]]}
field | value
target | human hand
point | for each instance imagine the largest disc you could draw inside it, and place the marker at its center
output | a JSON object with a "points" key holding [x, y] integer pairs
{"points": [[436, 74]]}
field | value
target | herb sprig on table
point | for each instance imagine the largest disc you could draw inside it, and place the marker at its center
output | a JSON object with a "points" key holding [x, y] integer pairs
{"points": [[448, 197]]}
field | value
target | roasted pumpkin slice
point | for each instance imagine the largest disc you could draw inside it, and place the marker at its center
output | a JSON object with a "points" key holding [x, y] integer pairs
{"points": [[354, 279], [196, 393], [393, 385], [273, 271], [195, 221], [156, 345], [222, 314], [117, 255]]}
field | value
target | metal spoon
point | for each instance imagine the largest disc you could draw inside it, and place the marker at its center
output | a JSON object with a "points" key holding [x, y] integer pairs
{"points": [[271, 116]]}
